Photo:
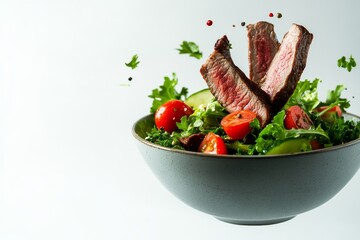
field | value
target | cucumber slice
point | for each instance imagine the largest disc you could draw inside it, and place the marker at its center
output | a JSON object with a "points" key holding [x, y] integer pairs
{"points": [[291, 146], [202, 97]]}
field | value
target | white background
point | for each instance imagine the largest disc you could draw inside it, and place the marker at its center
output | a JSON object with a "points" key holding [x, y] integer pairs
{"points": [[69, 167]]}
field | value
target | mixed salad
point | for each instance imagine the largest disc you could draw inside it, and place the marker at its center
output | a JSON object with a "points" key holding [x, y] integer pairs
{"points": [[200, 123]]}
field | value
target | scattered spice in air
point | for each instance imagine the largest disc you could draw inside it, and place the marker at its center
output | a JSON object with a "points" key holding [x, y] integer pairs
{"points": [[130, 78], [279, 15], [271, 14], [209, 22], [242, 23]]}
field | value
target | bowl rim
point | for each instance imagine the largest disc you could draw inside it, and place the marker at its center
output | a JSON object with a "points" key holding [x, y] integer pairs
{"points": [[242, 157]]}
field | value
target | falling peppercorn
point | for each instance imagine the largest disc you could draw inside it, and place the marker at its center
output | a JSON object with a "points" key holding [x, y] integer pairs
{"points": [[271, 14], [130, 78], [242, 23], [279, 15], [209, 22]]}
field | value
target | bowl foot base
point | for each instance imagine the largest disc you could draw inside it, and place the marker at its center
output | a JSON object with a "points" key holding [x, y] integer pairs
{"points": [[254, 222]]}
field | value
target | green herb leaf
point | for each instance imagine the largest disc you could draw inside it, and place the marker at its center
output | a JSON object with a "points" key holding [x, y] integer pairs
{"points": [[203, 120], [275, 133], [339, 129], [167, 92], [134, 62], [334, 98], [305, 95], [190, 48], [347, 64], [163, 138]]}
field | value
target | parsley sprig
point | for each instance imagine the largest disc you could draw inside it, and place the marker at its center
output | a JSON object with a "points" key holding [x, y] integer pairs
{"points": [[190, 48], [348, 64], [134, 62]]}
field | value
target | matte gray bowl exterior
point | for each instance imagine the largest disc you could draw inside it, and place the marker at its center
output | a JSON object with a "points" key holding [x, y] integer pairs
{"points": [[251, 189]]}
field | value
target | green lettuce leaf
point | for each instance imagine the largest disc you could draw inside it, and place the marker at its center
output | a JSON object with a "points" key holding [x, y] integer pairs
{"points": [[167, 91]]}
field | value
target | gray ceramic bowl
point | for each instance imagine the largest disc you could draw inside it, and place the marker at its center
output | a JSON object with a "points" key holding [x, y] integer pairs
{"points": [[251, 190]]}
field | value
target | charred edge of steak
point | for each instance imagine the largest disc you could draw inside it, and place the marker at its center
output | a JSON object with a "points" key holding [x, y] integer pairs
{"points": [[263, 45], [287, 66], [231, 87], [192, 142]]}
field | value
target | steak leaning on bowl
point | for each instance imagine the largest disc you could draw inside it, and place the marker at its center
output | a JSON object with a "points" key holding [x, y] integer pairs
{"points": [[279, 77]]}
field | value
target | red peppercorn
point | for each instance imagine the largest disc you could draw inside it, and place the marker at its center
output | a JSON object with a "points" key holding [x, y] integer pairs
{"points": [[209, 22], [271, 14]]}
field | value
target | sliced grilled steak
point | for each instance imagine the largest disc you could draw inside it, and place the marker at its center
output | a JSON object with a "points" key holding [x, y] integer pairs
{"points": [[231, 87], [287, 66], [263, 45]]}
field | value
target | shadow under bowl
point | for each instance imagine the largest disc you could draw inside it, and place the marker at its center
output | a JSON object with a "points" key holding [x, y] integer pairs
{"points": [[250, 190]]}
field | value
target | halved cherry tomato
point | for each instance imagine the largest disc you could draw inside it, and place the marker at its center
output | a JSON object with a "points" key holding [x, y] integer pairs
{"points": [[213, 144], [330, 114], [237, 124], [296, 117], [168, 114]]}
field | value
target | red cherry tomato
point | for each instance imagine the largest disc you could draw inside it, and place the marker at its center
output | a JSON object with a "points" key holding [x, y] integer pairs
{"points": [[316, 145], [237, 124], [168, 114], [296, 117], [330, 114], [213, 144]]}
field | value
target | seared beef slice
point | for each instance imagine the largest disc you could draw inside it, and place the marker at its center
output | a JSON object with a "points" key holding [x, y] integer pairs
{"points": [[231, 87], [287, 66], [263, 45]]}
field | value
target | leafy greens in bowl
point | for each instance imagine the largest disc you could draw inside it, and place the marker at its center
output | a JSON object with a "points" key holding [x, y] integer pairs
{"points": [[328, 125]]}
